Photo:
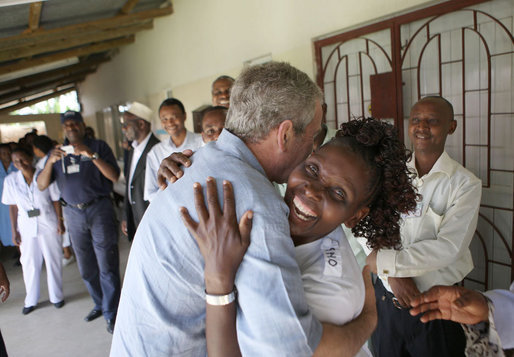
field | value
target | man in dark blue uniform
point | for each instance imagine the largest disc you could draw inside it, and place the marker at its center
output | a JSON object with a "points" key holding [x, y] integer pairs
{"points": [[85, 171]]}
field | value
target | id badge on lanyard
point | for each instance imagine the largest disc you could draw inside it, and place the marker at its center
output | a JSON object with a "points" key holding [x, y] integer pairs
{"points": [[34, 212], [73, 167]]}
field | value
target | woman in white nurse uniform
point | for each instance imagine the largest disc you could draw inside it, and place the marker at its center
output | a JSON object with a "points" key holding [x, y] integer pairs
{"points": [[36, 229]]}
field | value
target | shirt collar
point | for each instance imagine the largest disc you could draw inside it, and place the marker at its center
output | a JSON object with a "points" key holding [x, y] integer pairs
{"points": [[230, 143], [444, 164], [186, 140], [143, 142], [21, 179]]}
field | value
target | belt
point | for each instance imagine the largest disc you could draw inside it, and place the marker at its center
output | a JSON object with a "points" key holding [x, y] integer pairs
{"points": [[394, 300], [83, 205], [386, 294]]}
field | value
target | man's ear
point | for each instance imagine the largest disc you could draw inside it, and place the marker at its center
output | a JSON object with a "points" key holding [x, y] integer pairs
{"points": [[453, 126], [285, 132], [356, 218]]}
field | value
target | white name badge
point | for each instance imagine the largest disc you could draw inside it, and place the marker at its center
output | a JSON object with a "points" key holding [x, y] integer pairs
{"points": [[415, 213], [73, 169], [332, 257]]}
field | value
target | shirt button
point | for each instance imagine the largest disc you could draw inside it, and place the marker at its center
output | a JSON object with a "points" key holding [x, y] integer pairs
{"points": [[133, 202], [418, 182]]}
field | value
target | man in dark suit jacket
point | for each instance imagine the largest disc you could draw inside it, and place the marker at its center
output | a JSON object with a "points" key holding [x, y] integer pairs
{"points": [[136, 128]]}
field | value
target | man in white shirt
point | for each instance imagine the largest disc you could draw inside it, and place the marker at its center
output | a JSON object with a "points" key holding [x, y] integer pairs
{"points": [[435, 241], [173, 116], [137, 128]]}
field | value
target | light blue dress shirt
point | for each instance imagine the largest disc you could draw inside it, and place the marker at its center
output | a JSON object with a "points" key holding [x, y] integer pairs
{"points": [[162, 306], [503, 301]]}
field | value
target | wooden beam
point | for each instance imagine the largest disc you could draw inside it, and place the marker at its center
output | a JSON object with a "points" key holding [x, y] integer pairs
{"points": [[7, 110], [81, 51], [59, 72], [35, 15], [43, 87], [70, 42], [128, 7], [16, 92], [65, 32]]}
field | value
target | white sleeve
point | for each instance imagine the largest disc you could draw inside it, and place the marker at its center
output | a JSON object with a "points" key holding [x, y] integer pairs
{"points": [[55, 193], [454, 235], [152, 166], [333, 283], [336, 300], [53, 189], [9, 191]]}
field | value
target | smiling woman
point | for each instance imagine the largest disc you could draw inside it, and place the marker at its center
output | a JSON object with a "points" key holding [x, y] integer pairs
{"points": [[330, 187], [359, 178], [37, 226]]}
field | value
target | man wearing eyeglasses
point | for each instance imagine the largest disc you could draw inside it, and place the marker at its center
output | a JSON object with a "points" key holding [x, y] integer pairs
{"points": [[137, 128]]}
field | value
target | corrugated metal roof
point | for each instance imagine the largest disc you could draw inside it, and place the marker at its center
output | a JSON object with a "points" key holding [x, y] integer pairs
{"points": [[41, 33]]}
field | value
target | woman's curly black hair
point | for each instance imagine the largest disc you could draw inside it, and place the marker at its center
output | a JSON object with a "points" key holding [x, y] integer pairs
{"points": [[391, 191]]}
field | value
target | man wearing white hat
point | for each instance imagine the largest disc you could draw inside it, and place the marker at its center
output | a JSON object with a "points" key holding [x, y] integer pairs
{"points": [[137, 128]]}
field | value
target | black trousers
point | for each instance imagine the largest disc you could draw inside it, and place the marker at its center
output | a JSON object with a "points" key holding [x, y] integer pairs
{"points": [[94, 238], [3, 351], [398, 334]]}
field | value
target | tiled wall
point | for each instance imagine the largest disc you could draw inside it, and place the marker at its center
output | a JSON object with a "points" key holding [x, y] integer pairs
{"points": [[472, 68]]}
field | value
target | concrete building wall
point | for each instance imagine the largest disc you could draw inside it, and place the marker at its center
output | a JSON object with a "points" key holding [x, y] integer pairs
{"points": [[203, 39], [52, 124]]}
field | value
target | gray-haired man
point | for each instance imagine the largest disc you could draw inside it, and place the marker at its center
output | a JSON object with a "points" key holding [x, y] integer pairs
{"points": [[274, 115]]}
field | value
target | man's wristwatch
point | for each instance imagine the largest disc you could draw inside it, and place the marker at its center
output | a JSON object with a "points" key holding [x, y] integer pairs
{"points": [[94, 156]]}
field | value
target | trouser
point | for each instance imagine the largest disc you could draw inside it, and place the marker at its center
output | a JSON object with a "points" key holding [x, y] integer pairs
{"points": [[398, 334], [3, 350], [66, 236], [47, 246], [94, 238]]}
